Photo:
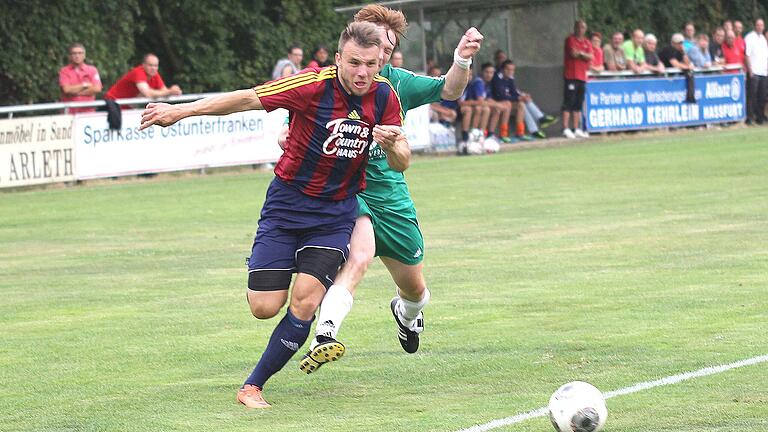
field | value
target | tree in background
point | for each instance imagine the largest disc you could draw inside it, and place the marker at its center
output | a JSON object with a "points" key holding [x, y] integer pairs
{"points": [[202, 45], [663, 17]]}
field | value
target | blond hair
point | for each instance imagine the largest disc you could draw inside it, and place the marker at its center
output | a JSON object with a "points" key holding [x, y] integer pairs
{"points": [[392, 19]]}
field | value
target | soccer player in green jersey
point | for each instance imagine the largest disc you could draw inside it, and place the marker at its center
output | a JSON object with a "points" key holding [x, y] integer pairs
{"points": [[387, 226]]}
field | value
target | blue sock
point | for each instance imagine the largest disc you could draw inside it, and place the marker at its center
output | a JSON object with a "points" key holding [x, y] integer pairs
{"points": [[289, 335]]}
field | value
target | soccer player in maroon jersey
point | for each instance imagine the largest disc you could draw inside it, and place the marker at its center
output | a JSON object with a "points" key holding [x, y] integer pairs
{"points": [[310, 210]]}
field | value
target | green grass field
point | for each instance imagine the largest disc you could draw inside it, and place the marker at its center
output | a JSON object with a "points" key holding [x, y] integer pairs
{"points": [[619, 261]]}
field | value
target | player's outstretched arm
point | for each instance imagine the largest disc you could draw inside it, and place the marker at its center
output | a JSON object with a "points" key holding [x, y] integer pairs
{"points": [[458, 75], [395, 144], [163, 114]]}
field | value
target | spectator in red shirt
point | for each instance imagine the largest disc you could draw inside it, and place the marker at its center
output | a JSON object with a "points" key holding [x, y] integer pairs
{"points": [[731, 52], [596, 65], [79, 81], [577, 57], [143, 80]]}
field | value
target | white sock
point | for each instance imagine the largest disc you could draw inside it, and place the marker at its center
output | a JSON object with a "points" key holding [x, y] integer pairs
{"points": [[410, 310], [335, 306]]}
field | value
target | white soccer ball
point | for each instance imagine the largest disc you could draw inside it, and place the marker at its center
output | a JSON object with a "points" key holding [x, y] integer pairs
{"points": [[578, 407], [476, 135], [474, 147], [491, 145]]}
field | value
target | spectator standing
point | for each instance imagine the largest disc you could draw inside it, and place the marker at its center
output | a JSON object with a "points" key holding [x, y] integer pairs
{"points": [[727, 25], [674, 56], [143, 80], [596, 65], [499, 57], [79, 81], [320, 58], [689, 32], [699, 54], [731, 53], [614, 54], [652, 61], [577, 56], [738, 29], [633, 51], [757, 72], [289, 65], [716, 46], [397, 59]]}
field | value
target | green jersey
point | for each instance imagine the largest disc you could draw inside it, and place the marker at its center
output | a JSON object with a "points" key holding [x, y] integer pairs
{"points": [[385, 186]]}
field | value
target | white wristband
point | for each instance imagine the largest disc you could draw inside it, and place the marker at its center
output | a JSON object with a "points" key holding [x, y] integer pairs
{"points": [[461, 62]]}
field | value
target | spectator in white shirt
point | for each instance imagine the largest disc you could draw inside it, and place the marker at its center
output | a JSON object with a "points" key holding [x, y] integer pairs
{"points": [[756, 59]]}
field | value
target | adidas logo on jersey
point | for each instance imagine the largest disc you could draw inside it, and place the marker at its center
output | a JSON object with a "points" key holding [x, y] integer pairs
{"points": [[354, 115]]}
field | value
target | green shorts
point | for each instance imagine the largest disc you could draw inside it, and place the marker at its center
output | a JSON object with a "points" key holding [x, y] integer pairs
{"points": [[397, 232]]}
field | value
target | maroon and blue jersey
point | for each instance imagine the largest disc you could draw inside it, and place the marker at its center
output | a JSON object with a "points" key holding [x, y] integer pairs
{"points": [[331, 130]]}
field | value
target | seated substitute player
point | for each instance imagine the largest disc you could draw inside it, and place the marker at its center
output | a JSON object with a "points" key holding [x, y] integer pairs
{"points": [[505, 92], [311, 205], [387, 226], [478, 110]]}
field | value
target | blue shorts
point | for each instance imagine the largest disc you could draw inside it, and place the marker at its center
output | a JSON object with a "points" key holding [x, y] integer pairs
{"points": [[292, 221]]}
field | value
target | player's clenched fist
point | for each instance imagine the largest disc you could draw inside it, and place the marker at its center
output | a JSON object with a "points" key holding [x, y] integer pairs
{"points": [[470, 43], [161, 114]]}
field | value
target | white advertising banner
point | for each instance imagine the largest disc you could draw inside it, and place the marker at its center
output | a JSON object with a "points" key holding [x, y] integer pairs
{"points": [[197, 142], [36, 150], [417, 128]]}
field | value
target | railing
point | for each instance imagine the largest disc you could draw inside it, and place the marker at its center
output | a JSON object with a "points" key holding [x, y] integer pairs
{"points": [[667, 71], [65, 106]]}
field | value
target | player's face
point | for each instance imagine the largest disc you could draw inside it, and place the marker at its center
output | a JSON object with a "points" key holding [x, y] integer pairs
{"points": [[388, 39], [357, 66]]}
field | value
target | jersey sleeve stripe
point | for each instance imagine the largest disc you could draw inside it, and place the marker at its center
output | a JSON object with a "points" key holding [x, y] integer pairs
{"points": [[294, 78], [285, 86], [287, 79], [293, 85]]}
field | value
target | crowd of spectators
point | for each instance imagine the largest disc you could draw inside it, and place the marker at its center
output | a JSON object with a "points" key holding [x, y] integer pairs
{"points": [[80, 82], [493, 108], [687, 51]]}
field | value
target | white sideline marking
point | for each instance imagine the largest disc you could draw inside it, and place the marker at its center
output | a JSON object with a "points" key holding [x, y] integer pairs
{"points": [[674, 379]]}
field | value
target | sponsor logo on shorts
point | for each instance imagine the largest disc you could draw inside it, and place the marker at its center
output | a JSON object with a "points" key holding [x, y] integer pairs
{"points": [[418, 253]]}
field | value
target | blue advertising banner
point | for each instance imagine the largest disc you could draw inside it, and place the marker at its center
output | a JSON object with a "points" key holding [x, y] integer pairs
{"points": [[628, 104]]}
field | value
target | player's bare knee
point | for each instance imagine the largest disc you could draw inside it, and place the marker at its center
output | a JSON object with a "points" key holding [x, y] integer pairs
{"points": [[267, 292], [261, 311], [359, 261], [304, 307]]}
